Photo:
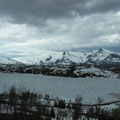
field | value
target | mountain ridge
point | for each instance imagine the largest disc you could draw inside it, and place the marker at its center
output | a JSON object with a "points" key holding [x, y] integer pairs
{"points": [[96, 57]]}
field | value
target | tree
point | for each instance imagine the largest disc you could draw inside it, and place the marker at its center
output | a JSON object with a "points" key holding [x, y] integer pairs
{"points": [[71, 70], [61, 104], [12, 99], [52, 113], [77, 108], [24, 101], [100, 100], [55, 104]]}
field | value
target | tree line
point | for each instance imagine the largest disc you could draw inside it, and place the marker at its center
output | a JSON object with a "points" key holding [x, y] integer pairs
{"points": [[25, 105]]}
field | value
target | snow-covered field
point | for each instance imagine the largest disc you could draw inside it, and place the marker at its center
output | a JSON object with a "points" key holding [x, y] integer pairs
{"points": [[89, 88]]}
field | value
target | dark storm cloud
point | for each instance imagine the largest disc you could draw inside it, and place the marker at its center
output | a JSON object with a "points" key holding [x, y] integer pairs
{"points": [[38, 11]]}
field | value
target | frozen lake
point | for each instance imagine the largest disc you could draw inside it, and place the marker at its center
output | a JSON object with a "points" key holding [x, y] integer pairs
{"points": [[89, 88]]}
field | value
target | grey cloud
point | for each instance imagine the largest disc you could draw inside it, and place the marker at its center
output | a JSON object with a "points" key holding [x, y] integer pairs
{"points": [[58, 25], [38, 11]]}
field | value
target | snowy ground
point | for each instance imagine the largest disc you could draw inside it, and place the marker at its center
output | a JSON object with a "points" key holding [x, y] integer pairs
{"points": [[89, 88]]}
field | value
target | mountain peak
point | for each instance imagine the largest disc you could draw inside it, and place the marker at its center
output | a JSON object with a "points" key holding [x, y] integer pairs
{"points": [[64, 53], [101, 50]]}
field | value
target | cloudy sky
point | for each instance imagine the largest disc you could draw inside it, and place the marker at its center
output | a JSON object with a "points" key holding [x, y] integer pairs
{"points": [[29, 26]]}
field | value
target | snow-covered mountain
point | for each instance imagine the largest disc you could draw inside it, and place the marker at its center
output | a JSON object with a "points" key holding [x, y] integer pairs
{"points": [[97, 57], [112, 59], [66, 64], [5, 60], [54, 58]]}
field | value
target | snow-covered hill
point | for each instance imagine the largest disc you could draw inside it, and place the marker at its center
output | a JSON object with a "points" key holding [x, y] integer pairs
{"points": [[80, 71], [100, 56], [95, 72]]}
